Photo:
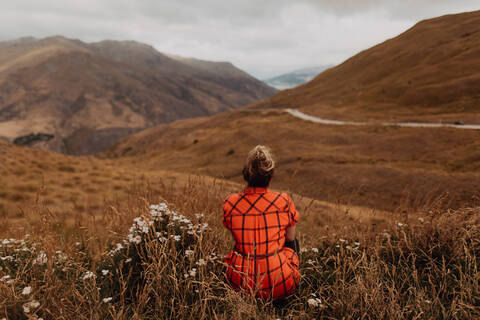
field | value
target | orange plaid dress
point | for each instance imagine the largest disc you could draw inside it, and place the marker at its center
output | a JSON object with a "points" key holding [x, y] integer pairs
{"points": [[259, 262]]}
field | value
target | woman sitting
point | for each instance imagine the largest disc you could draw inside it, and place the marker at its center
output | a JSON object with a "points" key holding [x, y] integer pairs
{"points": [[264, 261]]}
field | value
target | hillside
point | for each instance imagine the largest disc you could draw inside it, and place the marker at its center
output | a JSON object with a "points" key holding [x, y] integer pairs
{"points": [[154, 248], [90, 95], [295, 78], [387, 168], [76, 189], [429, 72]]}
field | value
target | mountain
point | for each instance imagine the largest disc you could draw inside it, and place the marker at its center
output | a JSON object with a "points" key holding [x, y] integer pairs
{"points": [[295, 78], [86, 96], [382, 167], [430, 71]]}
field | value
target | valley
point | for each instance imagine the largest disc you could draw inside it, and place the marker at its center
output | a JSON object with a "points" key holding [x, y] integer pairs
{"points": [[115, 160]]}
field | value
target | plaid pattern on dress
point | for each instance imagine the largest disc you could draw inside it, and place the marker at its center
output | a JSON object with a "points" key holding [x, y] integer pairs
{"points": [[259, 262]]}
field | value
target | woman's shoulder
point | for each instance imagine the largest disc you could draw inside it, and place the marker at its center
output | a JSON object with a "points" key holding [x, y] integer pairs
{"points": [[232, 198], [279, 197]]}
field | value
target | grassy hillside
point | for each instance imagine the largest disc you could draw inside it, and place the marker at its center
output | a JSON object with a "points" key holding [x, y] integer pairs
{"points": [[76, 190], [431, 72], [382, 167], [403, 268]]}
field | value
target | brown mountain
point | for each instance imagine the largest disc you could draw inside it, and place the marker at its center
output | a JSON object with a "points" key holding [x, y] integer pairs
{"points": [[90, 95], [431, 71], [383, 167]]}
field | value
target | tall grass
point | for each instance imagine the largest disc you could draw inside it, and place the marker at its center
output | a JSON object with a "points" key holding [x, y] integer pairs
{"points": [[167, 265]]}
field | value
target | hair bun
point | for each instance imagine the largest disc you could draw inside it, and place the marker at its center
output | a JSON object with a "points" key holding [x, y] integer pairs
{"points": [[260, 161]]}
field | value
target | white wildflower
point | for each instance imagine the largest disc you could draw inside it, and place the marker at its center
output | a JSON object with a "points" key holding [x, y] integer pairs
{"points": [[201, 262], [399, 224], [193, 272], [7, 258], [41, 259], [310, 261], [107, 300], [199, 215], [134, 239], [26, 291], [348, 248], [357, 244], [10, 281], [421, 220], [341, 240], [314, 250], [105, 272], [27, 307], [189, 252], [428, 301], [314, 302], [61, 256], [303, 250], [128, 260], [5, 278], [89, 275]]}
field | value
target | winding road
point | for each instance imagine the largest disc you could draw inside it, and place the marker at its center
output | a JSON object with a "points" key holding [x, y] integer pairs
{"points": [[307, 117]]}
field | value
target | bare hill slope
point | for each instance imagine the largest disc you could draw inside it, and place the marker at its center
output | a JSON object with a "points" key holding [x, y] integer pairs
{"points": [[90, 95], [431, 71]]}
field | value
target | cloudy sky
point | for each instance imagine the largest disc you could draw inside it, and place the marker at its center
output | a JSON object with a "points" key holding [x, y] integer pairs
{"points": [[263, 37]]}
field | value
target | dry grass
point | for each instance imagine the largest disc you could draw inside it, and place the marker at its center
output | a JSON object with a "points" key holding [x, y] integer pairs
{"points": [[366, 166], [420, 261], [424, 269]]}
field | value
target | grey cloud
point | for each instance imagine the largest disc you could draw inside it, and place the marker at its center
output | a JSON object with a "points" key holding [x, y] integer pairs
{"points": [[265, 37]]}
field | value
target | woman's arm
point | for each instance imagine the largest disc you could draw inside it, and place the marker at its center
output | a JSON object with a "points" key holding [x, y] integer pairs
{"points": [[290, 235]]}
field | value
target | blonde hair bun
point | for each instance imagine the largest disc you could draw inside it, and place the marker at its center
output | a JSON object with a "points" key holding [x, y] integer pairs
{"points": [[259, 165]]}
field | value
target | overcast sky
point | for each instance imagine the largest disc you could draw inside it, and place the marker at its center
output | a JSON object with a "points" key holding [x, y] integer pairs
{"points": [[263, 37]]}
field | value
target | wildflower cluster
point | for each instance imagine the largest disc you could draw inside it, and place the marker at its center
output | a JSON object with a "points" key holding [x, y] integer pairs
{"points": [[20, 255], [161, 231]]}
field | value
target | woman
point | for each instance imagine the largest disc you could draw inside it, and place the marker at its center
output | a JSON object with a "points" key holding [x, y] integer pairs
{"points": [[264, 261]]}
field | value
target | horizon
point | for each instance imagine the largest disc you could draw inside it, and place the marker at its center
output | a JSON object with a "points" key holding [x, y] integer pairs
{"points": [[265, 40]]}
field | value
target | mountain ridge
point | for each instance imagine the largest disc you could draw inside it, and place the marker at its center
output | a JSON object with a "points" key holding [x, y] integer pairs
{"points": [[295, 78], [58, 86], [432, 68]]}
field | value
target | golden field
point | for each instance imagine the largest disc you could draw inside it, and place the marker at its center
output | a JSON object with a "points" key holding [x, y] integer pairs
{"points": [[357, 262]]}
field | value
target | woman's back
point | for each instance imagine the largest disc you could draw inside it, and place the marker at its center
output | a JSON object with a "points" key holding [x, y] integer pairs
{"points": [[260, 222], [258, 219]]}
